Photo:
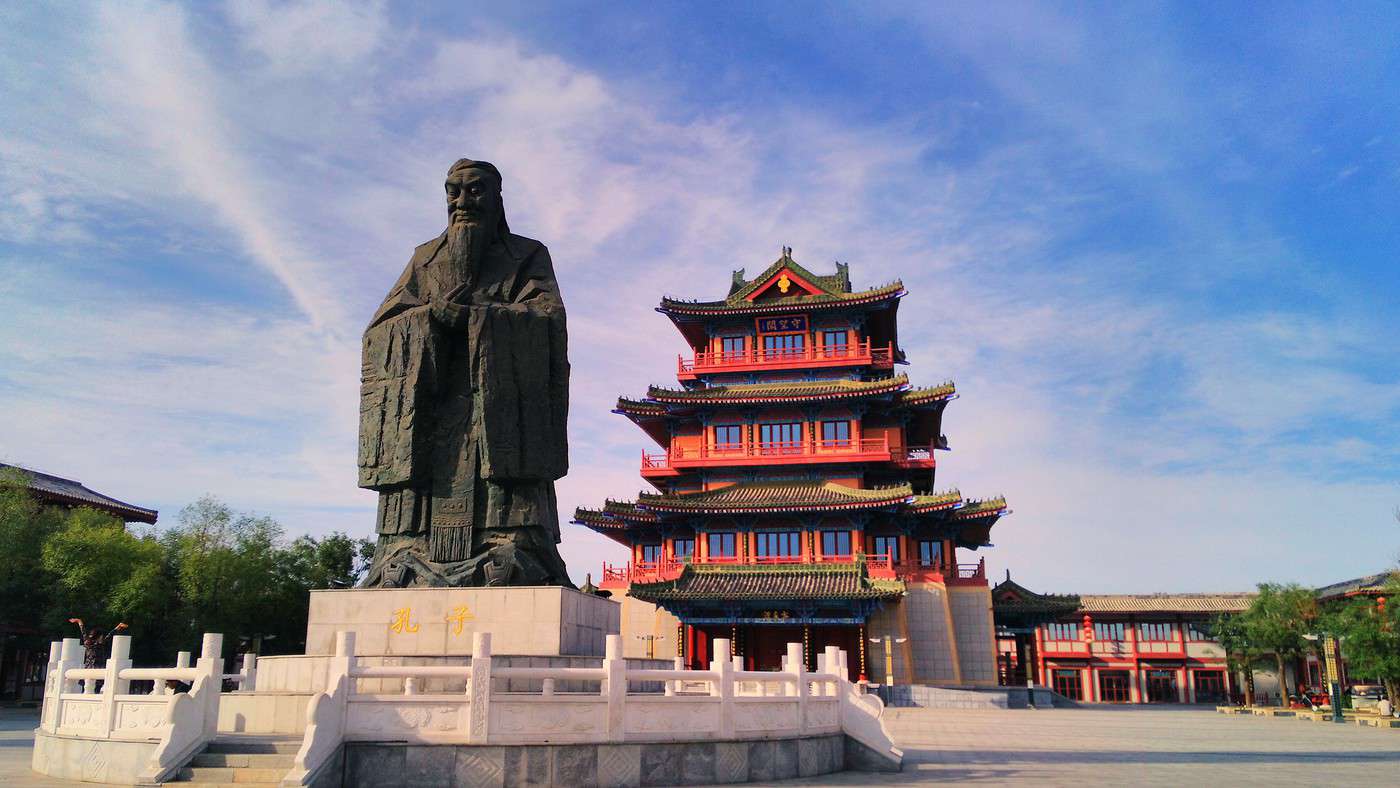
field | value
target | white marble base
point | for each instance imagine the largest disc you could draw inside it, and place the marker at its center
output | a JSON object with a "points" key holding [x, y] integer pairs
{"points": [[523, 621]]}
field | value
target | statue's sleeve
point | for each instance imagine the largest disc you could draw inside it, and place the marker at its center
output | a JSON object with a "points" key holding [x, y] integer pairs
{"points": [[523, 378], [396, 383]]}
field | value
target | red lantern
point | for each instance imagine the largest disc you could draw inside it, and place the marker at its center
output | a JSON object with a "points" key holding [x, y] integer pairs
{"points": [[1088, 629]]}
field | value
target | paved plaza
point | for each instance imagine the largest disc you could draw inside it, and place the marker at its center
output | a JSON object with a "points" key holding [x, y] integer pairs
{"points": [[1087, 746], [1126, 745]]}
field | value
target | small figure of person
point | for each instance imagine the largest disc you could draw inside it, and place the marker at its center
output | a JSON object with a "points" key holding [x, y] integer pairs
{"points": [[93, 640]]}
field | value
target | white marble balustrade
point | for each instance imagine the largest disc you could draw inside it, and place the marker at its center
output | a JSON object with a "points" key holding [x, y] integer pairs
{"points": [[721, 703], [97, 704]]}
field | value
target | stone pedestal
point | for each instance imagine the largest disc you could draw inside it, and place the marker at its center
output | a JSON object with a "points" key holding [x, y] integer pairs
{"points": [[523, 621]]}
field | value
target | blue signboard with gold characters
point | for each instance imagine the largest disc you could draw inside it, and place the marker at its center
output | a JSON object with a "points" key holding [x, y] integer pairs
{"points": [[780, 325]]}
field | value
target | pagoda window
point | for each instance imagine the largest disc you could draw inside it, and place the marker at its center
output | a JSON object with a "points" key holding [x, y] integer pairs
{"points": [[782, 438], [1199, 631], [1157, 632], [729, 437], [930, 553], [1108, 631], [651, 553], [836, 543], [683, 548], [1061, 632], [732, 347], [886, 545], [836, 434], [721, 545], [778, 544], [783, 345], [834, 343]]}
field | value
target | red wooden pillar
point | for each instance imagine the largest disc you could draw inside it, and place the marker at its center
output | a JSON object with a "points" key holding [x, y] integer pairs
{"points": [[1040, 657]]}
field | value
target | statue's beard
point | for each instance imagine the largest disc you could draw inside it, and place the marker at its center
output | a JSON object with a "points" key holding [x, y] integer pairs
{"points": [[466, 246]]}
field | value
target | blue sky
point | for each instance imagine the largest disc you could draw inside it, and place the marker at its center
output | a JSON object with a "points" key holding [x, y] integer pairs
{"points": [[1154, 245]]}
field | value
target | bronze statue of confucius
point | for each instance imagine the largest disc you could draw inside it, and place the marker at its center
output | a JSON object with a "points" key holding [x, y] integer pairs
{"points": [[463, 404]]}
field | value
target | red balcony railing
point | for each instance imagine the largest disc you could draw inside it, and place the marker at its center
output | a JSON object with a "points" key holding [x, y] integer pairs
{"points": [[972, 574], [860, 353], [863, 450], [880, 566]]}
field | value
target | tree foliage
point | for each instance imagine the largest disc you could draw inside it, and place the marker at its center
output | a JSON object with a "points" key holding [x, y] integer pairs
{"points": [[1371, 639], [1278, 622], [215, 570]]}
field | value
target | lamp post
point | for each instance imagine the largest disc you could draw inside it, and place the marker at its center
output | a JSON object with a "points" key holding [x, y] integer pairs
{"points": [[651, 644], [888, 641], [1088, 691]]}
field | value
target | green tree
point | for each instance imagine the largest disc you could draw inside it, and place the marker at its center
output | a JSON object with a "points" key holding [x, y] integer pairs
{"points": [[25, 584], [103, 573], [225, 567], [236, 574], [1278, 622], [1241, 655], [1371, 639]]}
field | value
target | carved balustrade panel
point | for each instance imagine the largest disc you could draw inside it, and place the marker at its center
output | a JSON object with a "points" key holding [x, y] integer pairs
{"points": [[414, 718], [677, 717], [767, 717], [547, 718]]}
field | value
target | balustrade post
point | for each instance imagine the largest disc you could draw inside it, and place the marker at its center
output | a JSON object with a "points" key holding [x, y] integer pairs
{"points": [[723, 686], [182, 660], [53, 687], [249, 672], [211, 665], [614, 686], [479, 688], [833, 665], [672, 687], [71, 657], [112, 684]]}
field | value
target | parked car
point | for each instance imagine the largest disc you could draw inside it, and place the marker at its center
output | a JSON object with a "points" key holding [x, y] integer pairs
{"points": [[1366, 696]]}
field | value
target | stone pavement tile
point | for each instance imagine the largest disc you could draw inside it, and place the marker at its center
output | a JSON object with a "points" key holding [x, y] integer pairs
{"points": [[1150, 746]]}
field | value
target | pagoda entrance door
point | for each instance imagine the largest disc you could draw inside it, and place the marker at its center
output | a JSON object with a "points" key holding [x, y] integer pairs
{"points": [[767, 645]]}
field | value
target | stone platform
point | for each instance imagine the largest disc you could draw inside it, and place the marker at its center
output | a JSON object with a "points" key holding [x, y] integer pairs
{"points": [[543, 621]]}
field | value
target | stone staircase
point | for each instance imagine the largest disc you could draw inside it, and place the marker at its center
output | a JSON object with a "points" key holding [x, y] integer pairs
{"points": [[234, 761]]}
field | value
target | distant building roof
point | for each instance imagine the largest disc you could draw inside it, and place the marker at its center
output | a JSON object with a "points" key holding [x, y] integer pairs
{"points": [[66, 492], [1370, 585], [783, 582], [1165, 603], [833, 290]]}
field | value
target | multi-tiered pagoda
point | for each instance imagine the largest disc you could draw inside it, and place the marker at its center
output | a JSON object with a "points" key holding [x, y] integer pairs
{"points": [[795, 497]]}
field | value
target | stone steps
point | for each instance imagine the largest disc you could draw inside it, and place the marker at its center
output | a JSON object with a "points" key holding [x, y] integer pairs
{"points": [[241, 762], [229, 774]]}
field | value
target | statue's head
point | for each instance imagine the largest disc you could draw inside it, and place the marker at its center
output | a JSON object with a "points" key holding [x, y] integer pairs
{"points": [[474, 196]]}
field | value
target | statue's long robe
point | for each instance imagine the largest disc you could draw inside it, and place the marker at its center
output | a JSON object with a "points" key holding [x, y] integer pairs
{"points": [[462, 425]]}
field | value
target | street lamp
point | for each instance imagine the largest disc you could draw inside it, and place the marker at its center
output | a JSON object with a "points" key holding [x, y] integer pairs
{"points": [[651, 644], [889, 663]]}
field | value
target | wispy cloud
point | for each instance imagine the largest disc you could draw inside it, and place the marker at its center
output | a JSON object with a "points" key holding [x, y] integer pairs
{"points": [[280, 161]]}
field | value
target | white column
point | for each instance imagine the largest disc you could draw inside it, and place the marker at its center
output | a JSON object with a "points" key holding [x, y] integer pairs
{"points": [[249, 673], [677, 663], [211, 664], [479, 688], [832, 657], [182, 660], [113, 686], [53, 686], [615, 686], [722, 664]]}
